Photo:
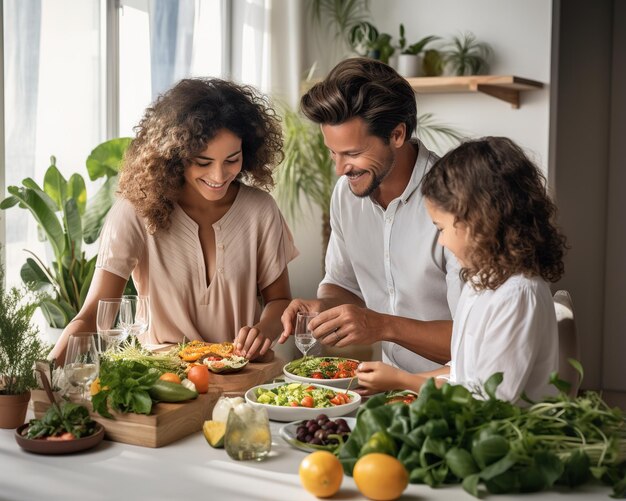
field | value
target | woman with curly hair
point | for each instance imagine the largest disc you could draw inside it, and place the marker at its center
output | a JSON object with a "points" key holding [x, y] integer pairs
{"points": [[194, 224], [490, 206]]}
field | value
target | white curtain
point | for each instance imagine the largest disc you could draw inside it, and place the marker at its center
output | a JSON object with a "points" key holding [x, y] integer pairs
{"points": [[267, 46]]}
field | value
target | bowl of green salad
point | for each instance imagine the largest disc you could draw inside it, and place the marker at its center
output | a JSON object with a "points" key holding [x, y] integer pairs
{"points": [[294, 401], [337, 372]]}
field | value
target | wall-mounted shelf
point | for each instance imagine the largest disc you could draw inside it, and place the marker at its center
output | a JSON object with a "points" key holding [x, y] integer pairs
{"points": [[504, 87]]}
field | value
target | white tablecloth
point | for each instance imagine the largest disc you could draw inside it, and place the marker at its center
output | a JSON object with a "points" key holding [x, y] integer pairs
{"points": [[191, 470]]}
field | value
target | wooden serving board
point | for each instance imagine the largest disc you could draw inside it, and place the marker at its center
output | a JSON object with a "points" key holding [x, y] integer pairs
{"points": [[253, 374], [167, 423]]}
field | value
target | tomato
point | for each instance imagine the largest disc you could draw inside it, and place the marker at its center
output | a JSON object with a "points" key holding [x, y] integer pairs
{"points": [[170, 376], [293, 403], [307, 401], [341, 375], [380, 477], [199, 375], [317, 375], [321, 474]]}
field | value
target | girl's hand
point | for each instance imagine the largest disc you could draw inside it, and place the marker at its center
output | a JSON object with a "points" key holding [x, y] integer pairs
{"points": [[251, 343], [376, 377]]}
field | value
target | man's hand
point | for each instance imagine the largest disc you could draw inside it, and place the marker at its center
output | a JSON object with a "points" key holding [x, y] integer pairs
{"points": [[348, 324], [288, 318]]}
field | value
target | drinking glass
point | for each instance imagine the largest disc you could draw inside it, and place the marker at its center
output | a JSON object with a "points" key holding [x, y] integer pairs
{"points": [[109, 322], [302, 334], [82, 361], [135, 315], [247, 433]]}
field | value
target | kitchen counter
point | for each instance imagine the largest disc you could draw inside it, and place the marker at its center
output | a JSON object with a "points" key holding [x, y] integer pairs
{"points": [[191, 469]]}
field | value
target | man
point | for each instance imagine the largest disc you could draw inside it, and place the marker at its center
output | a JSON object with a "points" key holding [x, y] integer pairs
{"points": [[386, 278]]}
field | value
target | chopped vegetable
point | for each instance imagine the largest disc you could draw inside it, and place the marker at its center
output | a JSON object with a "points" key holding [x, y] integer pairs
{"points": [[323, 367], [300, 395]]}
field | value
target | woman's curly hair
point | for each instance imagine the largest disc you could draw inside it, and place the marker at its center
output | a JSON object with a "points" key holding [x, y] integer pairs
{"points": [[493, 187], [178, 126]]}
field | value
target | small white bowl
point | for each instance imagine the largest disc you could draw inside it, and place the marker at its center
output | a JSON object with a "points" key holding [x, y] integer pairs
{"points": [[280, 413], [344, 383]]}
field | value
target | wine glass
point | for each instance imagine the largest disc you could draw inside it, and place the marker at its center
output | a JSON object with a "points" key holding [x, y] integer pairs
{"points": [[82, 361], [109, 322], [135, 315], [302, 334]]}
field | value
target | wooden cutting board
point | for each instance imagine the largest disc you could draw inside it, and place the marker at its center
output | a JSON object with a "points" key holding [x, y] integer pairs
{"points": [[253, 374], [167, 423]]}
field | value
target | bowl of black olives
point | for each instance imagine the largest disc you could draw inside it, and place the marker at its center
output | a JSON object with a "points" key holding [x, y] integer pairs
{"points": [[319, 433]]}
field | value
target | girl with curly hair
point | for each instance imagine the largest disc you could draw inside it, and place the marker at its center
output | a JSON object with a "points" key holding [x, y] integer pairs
{"points": [[194, 224], [490, 206]]}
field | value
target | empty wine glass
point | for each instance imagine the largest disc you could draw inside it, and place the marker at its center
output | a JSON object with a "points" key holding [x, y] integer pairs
{"points": [[82, 361], [109, 322], [135, 315], [302, 334]]}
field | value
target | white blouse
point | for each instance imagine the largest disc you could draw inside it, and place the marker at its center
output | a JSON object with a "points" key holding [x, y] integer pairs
{"points": [[511, 330]]}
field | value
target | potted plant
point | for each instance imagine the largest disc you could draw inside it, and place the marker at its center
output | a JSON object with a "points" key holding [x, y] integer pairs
{"points": [[20, 347], [66, 220], [467, 56], [409, 60]]}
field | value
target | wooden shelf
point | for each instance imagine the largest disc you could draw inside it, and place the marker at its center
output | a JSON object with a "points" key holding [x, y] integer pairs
{"points": [[504, 87]]}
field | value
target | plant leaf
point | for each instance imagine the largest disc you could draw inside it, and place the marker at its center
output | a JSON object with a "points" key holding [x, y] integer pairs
{"points": [[106, 158]]}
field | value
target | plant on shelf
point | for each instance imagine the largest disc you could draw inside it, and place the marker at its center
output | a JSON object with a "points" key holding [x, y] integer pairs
{"points": [[66, 220], [432, 63], [415, 48], [467, 56], [410, 60], [20, 347]]}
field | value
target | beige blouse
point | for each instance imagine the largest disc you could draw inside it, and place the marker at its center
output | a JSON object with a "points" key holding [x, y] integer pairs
{"points": [[254, 246]]}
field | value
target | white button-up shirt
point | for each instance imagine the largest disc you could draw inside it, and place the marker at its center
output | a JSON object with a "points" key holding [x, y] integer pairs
{"points": [[390, 259], [512, 330]]}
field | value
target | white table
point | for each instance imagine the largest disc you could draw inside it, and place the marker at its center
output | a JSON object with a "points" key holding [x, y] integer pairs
{"points": [[191, 470]]}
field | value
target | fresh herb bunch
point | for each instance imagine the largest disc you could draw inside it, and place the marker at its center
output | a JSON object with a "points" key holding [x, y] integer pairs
{"points": [[124, 387], [68, 417], [131, 349], [449, 435], [20, 346]]}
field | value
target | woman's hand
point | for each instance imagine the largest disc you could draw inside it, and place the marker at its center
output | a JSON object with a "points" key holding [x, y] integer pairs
{"points": [[251, 343], [376, 377]]}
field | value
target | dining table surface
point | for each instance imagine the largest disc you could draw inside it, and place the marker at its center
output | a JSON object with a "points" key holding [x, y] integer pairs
{"points": [[190, 469]]}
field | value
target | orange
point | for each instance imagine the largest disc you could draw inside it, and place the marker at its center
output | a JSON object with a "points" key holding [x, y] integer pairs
{"points": [[170, 376], [199, 375], [321, 474], [380, 477]]}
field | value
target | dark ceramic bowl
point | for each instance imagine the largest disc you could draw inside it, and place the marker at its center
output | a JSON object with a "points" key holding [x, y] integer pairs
{"points": [[41, 446]]}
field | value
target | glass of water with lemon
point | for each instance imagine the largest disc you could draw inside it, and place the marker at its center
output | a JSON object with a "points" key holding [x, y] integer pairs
{"points": [[248, 433]]}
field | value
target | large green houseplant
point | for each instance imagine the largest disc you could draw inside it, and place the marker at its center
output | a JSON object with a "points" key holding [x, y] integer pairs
{"points": [[20, 347], [67, 220]]}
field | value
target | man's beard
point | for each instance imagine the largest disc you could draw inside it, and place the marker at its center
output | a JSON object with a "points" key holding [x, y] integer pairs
{"points": [[376, 181]]}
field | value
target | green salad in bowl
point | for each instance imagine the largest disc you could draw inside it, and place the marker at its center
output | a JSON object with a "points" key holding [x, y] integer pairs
{"points": [[337, 372]]}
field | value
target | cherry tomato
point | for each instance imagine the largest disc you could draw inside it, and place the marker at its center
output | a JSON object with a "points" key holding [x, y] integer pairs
{"points": [[307, 401]]}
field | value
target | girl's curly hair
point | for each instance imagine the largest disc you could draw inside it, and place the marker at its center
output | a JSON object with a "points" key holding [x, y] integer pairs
{"points": [[178, 126], [493, 187]]}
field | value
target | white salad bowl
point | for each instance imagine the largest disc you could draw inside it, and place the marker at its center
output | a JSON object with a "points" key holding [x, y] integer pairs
{"points": [[344, 383], [287, 414]]}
